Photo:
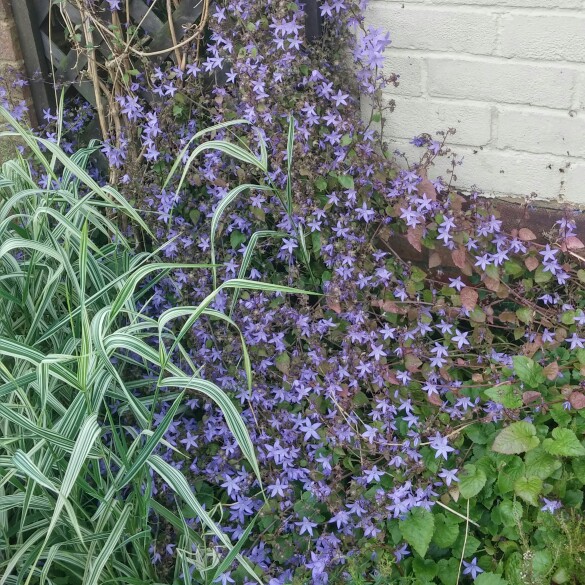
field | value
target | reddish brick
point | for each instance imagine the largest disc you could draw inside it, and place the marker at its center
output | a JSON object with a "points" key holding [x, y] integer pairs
{"points": [[9, 49], [5, 10]]}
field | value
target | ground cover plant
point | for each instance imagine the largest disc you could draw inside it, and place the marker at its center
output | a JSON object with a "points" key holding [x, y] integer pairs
{"points": [[418, 422]]}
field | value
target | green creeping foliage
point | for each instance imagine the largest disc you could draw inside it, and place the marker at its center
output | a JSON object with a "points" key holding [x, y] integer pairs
{"points": [[561, 560], [517, 507], [81, 383], [417, 529], [516, 438]]}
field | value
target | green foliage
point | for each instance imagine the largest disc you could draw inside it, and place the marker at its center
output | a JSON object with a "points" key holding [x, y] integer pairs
{"points": [[417, 529], [516, 509], [471, 481], [528, 488], [528, 371], [516, 438], [81, 385], [563, 443], [490, 579], [507, 395]]}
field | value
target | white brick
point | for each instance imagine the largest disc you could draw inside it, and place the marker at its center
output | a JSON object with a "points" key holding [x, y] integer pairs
{"points": [[506, 82], [506, 173], [541, 132], [416, 116], [511, 3], [574, 188], [516, 95], [580, 92], [436, 28], [410, 70], [509, 174], [544, 36]]}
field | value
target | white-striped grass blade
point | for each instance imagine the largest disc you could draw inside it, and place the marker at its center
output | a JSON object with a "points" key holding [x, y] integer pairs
{"points": [[263, 163], [233, 553], [88, 435], [95, 566], [231, 414], [54, 438], [219, 211], [125, 476], [25, 465], [179, 485], [237, 283], [248, 255], [137, 275], [22, 550]]}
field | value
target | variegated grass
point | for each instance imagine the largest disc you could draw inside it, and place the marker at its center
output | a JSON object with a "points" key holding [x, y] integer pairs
{"points": [[75, 497]]}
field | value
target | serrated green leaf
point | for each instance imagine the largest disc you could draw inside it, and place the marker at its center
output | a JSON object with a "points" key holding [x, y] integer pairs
{"points": [[479, 432], [508, 474], [573, 499], [528, 488], [579, 469], [513, 268], [236, 238], [528, 371], [541, 464], [448, 571], [320, 184], [513, 568], [540, 276], [346, 181], [568, 318], [525, 314], [489, 579], [542, 562], [564, 443], [471, 481], [282, 363], [446, 531], [510, 512], [519, 437], [507, 395], [477, 315], [493, 271], [424, 569], [417, 529]]}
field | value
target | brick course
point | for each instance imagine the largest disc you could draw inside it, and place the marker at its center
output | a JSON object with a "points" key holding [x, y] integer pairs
{"points": [[9, 48], [509, 75], [437, 28], [5, 11], [10, 54], [415, 115], [11, 59]]}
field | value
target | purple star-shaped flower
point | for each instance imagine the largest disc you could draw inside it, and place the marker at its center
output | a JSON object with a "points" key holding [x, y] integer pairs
{"points": [[306, 526]]}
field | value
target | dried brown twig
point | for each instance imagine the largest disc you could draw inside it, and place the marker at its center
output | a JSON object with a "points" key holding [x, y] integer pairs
{"points": [[110, 75]]}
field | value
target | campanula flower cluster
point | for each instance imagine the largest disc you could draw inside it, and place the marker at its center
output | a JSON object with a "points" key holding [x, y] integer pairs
{"points": [[360, 398]]}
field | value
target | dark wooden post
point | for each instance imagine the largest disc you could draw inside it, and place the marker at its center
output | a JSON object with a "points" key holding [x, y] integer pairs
{"points": [[35, 63], [312, 20]]}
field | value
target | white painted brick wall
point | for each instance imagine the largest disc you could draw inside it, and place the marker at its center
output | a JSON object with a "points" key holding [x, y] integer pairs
{"points": [[543, 36], [415, 115], [509, 75], [501, 81]]}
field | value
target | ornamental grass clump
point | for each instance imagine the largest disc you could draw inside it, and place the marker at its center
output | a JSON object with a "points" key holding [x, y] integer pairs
{"points": [[90, 385]]}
